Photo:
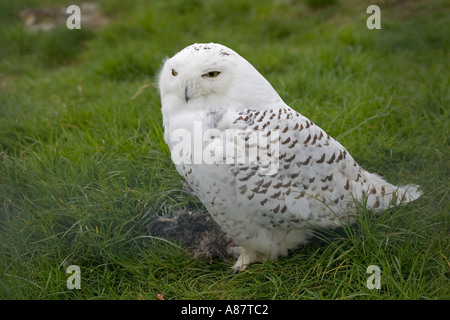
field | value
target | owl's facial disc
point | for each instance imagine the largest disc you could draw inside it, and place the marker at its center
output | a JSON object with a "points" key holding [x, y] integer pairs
{"points": [[212, 76], [201, 84], [199, 72]]}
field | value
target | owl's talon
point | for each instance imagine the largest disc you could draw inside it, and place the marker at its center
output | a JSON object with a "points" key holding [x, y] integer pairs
{"points": [[243, 261]]}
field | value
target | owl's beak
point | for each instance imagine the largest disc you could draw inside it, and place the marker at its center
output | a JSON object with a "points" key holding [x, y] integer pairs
{"points": [[186, 95]]}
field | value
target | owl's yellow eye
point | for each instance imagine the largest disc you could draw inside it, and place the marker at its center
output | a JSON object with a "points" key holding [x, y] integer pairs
{"points": [[211, 74], [174, 73]]}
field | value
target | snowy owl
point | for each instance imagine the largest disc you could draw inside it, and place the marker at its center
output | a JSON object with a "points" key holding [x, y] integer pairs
{"points": [[267, 174]]}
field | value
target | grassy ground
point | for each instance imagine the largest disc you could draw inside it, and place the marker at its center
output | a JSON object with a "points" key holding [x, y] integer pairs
{"points": [[83, 167]]}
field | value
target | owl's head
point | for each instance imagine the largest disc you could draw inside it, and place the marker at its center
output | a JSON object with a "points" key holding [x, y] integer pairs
{"points": [[213, 76]]}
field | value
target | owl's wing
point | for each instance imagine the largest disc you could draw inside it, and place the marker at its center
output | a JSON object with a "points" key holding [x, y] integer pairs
{"points": [[310, 177], [280, 168]]}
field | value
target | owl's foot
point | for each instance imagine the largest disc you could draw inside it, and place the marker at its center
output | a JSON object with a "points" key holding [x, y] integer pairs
{"points": [[244, 259]]}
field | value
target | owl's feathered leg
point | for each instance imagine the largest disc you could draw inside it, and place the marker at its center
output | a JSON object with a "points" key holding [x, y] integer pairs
{"points": [[244, 259]]}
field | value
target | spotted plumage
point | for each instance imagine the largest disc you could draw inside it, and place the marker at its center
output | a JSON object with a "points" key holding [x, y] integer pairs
{"points": [[301, 177]]}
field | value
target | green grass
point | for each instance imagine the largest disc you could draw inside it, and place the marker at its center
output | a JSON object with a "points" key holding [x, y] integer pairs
{"points": [[83, 166]]}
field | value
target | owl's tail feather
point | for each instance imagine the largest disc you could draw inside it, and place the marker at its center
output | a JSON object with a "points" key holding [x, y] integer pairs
{"points": [[383, 195]]}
